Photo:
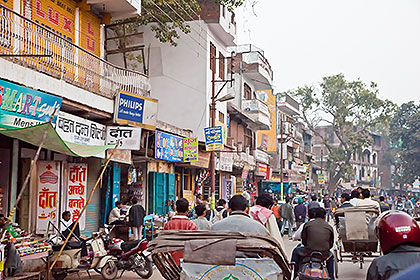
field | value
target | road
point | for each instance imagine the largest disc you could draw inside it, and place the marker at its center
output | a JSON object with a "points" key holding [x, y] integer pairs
{"points": [[347, 270]]}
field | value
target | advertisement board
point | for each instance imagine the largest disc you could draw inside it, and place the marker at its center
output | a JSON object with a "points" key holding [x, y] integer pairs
{"points": [[78, 130], [22, 107], [169, 147], [262, 170], [268, 138], [77, 189], [214, 138], [190, 149], [135, 110], [48, 177], [129, 137], [225, 162]]}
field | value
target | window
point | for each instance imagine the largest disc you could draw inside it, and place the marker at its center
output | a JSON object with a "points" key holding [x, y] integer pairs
{"points": [[248, 138], [221, 117], [223, 10], [354, 156], [247, 92], [221, 66], [212, 57], [374, 159]]}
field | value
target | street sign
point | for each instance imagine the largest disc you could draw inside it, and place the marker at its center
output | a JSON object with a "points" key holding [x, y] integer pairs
{"points": [[321, 179], [214, 138]]}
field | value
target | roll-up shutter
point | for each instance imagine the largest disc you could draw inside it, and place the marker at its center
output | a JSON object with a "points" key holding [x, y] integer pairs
{"points": [[93, 210]]}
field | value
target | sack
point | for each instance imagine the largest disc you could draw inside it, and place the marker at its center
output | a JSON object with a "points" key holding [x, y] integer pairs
{"points": [[313, 271]]}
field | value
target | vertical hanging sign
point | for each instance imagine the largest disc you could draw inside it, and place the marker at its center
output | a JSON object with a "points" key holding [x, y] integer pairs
{"points": [[48, 176], [77, 188]]}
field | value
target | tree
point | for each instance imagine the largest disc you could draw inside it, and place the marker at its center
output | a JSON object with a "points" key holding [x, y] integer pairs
{"points": [[352, 108], [405, 137]]}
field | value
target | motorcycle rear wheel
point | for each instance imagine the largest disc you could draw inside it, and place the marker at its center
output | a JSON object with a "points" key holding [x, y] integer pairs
{"points": [[59, 275], [109, 271], [142, 266]]}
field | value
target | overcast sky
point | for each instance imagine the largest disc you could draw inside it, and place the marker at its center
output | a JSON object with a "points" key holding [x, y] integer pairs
{"points": [[304, 40]]}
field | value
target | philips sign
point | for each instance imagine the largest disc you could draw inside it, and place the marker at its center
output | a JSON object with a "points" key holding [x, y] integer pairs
{"points": [[135, 110]]}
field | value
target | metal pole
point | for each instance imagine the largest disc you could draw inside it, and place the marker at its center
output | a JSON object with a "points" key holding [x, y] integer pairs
{"points": [[281, 157], [212, 155]]}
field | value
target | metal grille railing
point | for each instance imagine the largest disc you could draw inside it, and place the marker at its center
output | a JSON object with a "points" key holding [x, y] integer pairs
{"points": [[25, 42]]}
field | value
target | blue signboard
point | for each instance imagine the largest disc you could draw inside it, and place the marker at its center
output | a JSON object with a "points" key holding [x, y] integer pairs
{"points": [[22, 106], [169, 147], [135, 110], [214, 138]]}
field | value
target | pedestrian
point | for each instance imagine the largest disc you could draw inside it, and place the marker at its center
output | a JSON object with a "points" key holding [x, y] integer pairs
{"points": [[277, 214], [313, 203], [135, 218], [220, 212], [300, 213], [180, 222], [261, 212], [239, 219], [201, 222], [384, 205], [327, 206], [287, 215]]}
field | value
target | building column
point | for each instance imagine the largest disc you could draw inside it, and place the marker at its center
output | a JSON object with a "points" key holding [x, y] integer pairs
{"points": [[14, 175]]}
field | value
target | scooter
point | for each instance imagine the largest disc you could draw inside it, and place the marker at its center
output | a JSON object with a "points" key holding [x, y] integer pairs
{"points": [[132, 256], [98, 259], [312, 267]]}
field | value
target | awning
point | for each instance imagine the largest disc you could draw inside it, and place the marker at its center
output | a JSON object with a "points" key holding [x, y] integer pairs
{"points": [[33, 135]]}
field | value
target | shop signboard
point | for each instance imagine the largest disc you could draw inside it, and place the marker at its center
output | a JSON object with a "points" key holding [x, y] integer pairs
{"points": [[22, 107], [321, 179], [214, 138], [77, 188], [299, 168], [262, 169], [169, 147], [78, 130], [225, 162], [261, 156], [135, 110], [190, 149], [48, 177], [129, 137]]}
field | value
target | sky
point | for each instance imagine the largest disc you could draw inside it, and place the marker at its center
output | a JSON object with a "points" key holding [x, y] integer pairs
{"points": [[305, 40]]}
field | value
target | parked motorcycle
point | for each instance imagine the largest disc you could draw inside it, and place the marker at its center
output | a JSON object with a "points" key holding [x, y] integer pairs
{"points": [[98, 259], [132, 256]]}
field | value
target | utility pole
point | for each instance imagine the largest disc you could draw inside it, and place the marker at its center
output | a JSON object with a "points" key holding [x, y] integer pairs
{"points": [[322, 171], [281, 157], [212, 154]]}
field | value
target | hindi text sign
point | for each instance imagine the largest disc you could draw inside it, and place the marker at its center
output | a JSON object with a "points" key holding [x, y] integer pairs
{"points": [[77, 189], [129, 137], [190, 149], [214, 138], [169, 147], [48, 177]]}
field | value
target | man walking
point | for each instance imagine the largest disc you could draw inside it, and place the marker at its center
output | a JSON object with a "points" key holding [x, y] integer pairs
{"points": [[287, 215], [136, 217], [300, 213]]}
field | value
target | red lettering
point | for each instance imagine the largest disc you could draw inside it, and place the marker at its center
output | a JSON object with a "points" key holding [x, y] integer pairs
{"points": [[90, 44], [53, 19], [89, 29], [38, 10], [68, 25]]}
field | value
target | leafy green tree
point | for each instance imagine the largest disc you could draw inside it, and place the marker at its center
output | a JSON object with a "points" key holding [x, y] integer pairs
{"points": [[352, 108], [405, 137]]}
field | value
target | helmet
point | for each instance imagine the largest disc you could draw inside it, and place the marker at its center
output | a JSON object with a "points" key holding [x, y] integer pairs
{"points": [[395, 228]]}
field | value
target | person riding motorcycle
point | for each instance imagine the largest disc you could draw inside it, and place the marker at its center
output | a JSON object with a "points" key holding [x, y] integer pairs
{"points": [[317, 235], [399, 237]]}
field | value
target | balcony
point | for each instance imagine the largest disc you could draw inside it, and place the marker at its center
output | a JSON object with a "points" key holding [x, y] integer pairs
{"points": [[288, 105], [255, 66], [117, 8], [24, 42], [258, 112]]}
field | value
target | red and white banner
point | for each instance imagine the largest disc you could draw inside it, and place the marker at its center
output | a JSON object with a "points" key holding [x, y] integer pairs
{"points": [[48, 176], [77, 188]]}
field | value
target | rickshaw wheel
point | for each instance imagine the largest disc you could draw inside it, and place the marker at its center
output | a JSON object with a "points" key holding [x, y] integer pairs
{"points": [[336, 263]]}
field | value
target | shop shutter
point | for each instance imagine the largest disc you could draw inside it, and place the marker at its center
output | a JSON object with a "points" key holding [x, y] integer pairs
{"points": [[171, 187], [157, 193], [93, 211]]}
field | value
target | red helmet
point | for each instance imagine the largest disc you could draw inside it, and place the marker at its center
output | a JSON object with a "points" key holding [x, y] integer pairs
{"points": [[396, 228]]}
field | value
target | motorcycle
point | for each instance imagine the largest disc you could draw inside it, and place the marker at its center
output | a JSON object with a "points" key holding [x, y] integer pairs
{"points": [[98, 259], [132, 256], [312, 267]]}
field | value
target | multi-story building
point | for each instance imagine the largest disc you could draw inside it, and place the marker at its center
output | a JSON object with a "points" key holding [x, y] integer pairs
{"points": [[53, 62], [368, 167]]}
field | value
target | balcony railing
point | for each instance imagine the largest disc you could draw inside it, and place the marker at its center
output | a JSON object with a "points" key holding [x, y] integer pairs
{"points": [[27, 43]]}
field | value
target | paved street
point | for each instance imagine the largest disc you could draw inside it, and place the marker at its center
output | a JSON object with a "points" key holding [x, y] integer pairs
{"points": [[347, 270]]}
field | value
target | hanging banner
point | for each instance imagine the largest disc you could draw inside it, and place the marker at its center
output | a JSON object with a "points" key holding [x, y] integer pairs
{"points": [[214, 138], [22, 106], [169, 147], [130, 137], [48, 176], [135, 110], [77, 188], [190, 149]]}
